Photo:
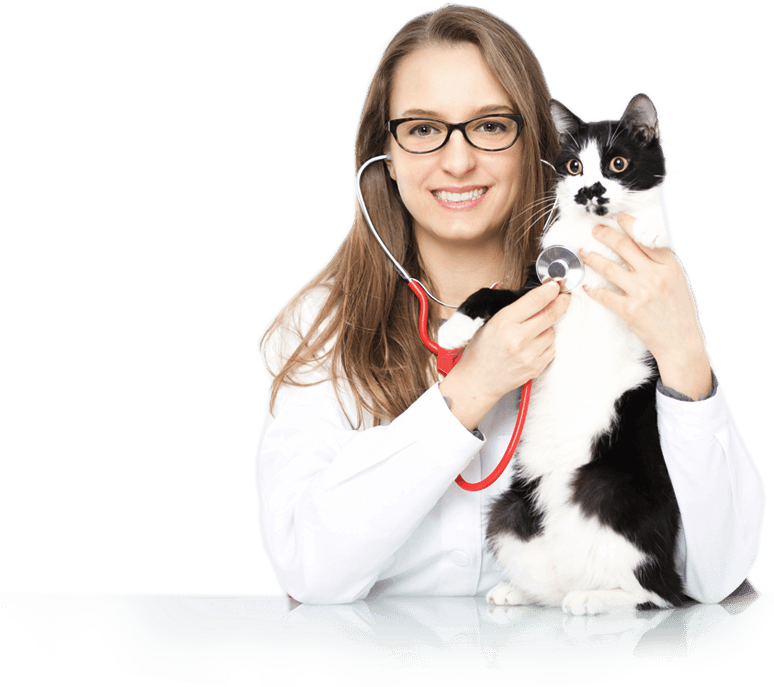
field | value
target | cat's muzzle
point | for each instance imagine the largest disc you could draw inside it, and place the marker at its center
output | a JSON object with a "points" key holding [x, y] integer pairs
{"points": [[592, 197]]}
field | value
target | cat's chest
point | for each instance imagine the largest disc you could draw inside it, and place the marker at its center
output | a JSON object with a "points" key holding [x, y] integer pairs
{"points": [[577, 235], [595, 349], [573, 401]]}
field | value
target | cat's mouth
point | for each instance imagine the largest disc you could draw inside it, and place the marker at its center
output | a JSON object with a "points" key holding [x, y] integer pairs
{"points": [[598, 208]]}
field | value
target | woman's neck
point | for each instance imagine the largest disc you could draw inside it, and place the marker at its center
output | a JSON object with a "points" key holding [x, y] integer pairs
{"points": [[456, 271]]}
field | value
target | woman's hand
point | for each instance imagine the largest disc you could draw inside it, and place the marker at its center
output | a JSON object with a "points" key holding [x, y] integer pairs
{"points": [[656, 304], [515, 346]]}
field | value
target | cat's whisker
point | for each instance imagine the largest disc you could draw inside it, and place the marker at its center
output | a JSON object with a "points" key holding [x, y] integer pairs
{"points": [[537, 209], [555, 533], [543, 199], [538, 218], [533, 206], [545, 213], [523, 234]]}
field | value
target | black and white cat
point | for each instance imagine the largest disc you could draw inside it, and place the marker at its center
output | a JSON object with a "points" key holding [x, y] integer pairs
{"points": [[590, 521]]}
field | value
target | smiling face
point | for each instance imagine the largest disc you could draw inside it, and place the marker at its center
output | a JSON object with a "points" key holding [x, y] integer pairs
{"points": [[458, 193]]}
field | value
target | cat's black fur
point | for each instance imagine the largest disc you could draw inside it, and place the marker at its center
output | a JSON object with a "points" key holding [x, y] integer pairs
{"points": [[622, 483]]}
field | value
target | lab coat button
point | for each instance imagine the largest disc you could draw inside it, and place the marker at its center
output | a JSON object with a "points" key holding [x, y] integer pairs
{"points": [[460, 558]]}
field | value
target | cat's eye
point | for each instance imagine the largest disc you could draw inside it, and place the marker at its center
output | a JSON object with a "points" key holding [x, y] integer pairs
{"points": [[574, 167], [618, 164]]}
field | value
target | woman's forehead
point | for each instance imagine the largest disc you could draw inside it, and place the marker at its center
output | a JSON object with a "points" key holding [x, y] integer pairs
{"points": [[451, 82]]}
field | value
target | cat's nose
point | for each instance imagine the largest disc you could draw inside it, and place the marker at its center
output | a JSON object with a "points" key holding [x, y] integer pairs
{"points": [[596, 190], [588, 194]]}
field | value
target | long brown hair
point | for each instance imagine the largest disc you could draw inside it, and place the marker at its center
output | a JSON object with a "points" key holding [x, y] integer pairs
{"points": [[365, 333]]}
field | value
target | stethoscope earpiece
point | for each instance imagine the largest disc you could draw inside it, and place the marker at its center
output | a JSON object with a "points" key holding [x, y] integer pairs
{"points": [[557, 263]]}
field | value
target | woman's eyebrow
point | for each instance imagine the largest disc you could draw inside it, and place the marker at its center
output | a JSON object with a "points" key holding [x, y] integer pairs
{"points": [[487, 109]]}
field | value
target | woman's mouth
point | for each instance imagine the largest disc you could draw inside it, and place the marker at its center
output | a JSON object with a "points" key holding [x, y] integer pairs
{"points": [[460, 198]]}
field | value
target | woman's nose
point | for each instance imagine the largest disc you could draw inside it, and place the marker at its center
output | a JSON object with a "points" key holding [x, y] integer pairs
{"points": [[459, 157]]}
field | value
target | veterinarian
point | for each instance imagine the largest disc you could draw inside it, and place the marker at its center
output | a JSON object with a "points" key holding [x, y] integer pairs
{"points": [[357, 467]]}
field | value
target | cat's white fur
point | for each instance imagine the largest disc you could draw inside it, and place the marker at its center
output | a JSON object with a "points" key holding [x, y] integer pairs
{"points": [[598, 358]]}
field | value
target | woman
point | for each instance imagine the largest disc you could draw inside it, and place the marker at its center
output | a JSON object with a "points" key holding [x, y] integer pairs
{"points": [[357, 469]]}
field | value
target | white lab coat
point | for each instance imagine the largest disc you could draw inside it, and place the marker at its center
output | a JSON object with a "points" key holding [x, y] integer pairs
{"points": [[347, 513]]}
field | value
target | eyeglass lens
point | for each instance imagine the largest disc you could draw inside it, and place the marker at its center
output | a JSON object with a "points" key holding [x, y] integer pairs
{"points": [[487, 133]]}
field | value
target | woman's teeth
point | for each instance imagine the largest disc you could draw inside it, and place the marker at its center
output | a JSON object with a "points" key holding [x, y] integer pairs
{"points": [[459, 197]]}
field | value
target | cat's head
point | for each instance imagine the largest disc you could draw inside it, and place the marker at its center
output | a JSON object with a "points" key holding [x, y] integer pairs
{"points": [[603, 167]]}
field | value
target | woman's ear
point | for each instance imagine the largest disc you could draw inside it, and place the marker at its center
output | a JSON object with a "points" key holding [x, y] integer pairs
{"points": [[390, 168]]}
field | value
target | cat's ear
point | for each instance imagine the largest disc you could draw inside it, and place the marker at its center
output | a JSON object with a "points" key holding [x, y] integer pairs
{"points": [[566, 122], [640, 117]]}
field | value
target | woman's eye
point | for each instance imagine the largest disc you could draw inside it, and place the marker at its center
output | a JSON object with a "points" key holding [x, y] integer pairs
{"points": [[618, 164], [423, 129], [574, 167], [491, 127]]}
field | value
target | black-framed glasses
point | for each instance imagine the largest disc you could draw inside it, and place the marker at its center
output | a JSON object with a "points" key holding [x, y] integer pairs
{"points": [[422, 135]]}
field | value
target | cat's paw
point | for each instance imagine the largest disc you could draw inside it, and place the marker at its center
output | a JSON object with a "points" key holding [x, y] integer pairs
{"points": [[598, 601], [504, 594], [458, 330], [650, 232]]}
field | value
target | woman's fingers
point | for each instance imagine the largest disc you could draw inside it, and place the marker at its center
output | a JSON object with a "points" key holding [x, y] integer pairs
{"points": [[530, 339], [514, 346], [532, 303]]}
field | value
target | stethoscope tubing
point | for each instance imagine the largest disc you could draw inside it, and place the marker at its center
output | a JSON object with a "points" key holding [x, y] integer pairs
{"points": [[446, 358], [526, 390], [571, 266], [382, 244]]}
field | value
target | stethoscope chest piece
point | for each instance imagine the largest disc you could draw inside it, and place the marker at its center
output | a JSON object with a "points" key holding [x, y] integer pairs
{"points": [[562, 264]]}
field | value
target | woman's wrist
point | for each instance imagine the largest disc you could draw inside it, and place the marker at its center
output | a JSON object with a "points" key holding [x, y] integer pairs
{"points": [[687, 371], [467, 403]]}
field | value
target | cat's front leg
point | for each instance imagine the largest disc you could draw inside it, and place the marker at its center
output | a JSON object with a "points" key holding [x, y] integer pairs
{"points": [[473, 314], [597, 601], [458, 330]]}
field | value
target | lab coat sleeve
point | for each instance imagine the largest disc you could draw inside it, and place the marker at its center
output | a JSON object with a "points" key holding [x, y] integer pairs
{"points": [[719, 493], [337, 503]]}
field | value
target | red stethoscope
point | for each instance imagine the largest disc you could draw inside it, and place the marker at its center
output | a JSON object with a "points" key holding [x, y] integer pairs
{"points": [[556, 262], [446, 360]]}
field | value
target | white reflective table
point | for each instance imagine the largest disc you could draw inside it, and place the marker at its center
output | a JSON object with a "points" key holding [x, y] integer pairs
{"points": [[176, 640]]}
